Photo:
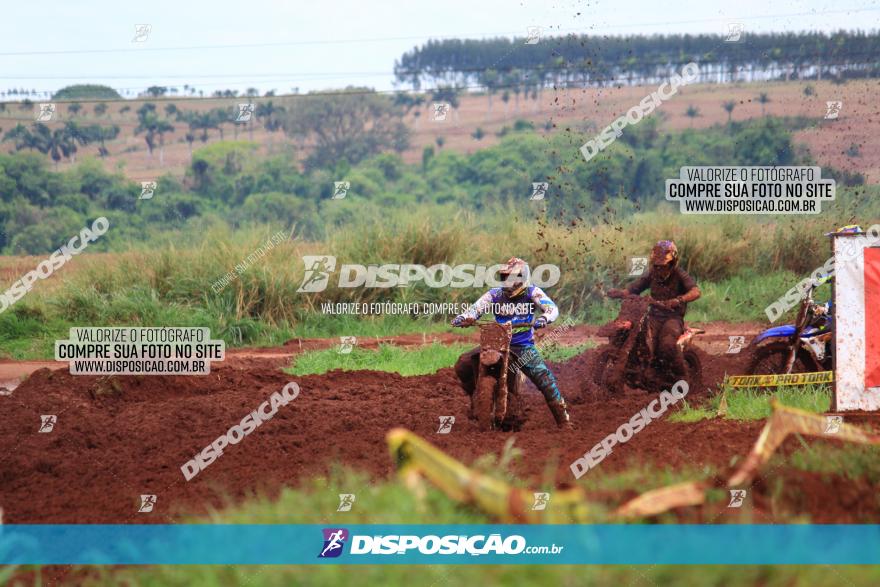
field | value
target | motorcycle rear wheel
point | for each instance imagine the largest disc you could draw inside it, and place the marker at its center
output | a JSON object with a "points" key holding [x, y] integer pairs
{"points": [[605, 365]]}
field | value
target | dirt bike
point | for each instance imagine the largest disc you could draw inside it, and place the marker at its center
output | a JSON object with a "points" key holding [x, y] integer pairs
{"points": [[496, 401], [802, 347], [629, 358]]}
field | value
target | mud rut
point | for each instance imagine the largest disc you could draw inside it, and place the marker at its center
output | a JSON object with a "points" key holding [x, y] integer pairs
{"points": [[119, 437]]}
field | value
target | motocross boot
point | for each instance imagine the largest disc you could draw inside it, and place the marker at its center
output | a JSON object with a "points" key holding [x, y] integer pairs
{"points": [[560, 414]]}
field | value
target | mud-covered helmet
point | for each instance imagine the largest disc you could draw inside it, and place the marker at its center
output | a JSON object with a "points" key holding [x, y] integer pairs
{"points": [[664, 253], [515, 276]]}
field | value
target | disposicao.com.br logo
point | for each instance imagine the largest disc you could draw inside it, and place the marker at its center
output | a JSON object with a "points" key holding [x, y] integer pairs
{"points": [[335, 538], [319, 268]]}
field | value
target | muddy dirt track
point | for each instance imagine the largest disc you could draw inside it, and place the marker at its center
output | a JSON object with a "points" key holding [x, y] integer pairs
{"points": [[119, 437]]}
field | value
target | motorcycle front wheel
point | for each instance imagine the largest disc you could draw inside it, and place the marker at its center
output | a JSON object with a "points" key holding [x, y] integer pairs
{"points": [[694, 370], [770, 359], [484, 399]]}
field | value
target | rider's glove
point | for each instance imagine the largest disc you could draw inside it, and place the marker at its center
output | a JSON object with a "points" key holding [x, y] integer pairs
{"points": [[541, 322], [462, 321], [672, 304]]}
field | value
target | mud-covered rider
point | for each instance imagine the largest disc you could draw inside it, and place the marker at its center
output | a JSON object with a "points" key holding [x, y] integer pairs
{"points": [[515, 302], [672, 288]]}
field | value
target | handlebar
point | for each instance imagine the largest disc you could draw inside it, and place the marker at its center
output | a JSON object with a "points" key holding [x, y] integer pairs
{"points": [[477, 322], [625, 295]]}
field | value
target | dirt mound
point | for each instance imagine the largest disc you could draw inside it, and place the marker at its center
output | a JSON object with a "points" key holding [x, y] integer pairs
{"points": [[117, 438]]}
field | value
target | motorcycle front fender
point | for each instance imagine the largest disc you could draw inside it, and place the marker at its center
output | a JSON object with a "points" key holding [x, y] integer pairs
{"points": [[489, 358], [784, 332]]}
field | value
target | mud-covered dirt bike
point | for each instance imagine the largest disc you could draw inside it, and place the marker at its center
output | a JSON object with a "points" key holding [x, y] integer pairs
{"points": [[629, 357], [802, 347], [496, 402]]}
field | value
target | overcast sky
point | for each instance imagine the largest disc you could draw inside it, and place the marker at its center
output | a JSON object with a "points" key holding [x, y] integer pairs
{"points": [[331, 44]]}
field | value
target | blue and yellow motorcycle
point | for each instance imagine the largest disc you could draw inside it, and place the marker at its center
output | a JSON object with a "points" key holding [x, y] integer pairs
{"points": [[802, 347]]}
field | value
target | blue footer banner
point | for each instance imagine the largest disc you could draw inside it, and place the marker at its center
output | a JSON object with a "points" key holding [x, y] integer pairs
{"points": [[295, 544]]}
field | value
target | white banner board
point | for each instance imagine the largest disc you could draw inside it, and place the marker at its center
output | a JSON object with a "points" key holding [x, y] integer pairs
{"points": [[857, 322]]}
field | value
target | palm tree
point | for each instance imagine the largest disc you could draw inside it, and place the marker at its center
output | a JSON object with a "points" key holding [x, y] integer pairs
{"points": [[199, 123], [270, 116], [22, 137], [59, 145], [490, 80], [763, 98], [74, 134], [514, 77], [692, 112], [251, 121], [410, 102], [56, 144], [105, 133], [147, 122], [41, 139], [448, 94], [728, 107], [220, 116], [152, 126], [163, 127]]}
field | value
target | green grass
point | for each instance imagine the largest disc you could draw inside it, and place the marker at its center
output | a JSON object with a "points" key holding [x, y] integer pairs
{"points": [[754, 404], [316, 500], [321, 326], [852, 461], [406, 361], [389, 502], [28, 331], [689, 414], [419, 360], [507, 576], [169, 283], [558, 353], [740, 297], [640, 476]]}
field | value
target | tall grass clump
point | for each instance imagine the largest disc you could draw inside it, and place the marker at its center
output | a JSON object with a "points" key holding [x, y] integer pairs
{"points": [[741, 263]]}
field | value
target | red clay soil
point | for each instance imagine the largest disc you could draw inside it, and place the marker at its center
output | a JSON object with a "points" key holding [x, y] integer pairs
{"points": [[119, 437]]}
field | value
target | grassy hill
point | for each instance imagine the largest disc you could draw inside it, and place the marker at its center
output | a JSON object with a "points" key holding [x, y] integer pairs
{"points": [[843, 143]]}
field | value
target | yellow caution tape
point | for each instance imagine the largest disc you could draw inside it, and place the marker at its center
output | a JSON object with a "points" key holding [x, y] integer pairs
{"points": [[783, 422], [416, 458], [774, 380], [664, 499]]}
